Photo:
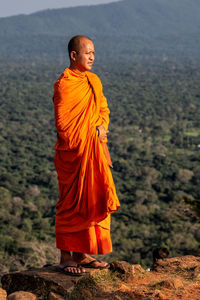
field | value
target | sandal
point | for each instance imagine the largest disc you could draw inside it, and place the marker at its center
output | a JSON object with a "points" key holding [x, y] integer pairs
{"points": [[89, 265], [62, 269]]}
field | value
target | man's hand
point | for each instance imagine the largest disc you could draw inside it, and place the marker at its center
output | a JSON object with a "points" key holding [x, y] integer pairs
{"points": [[102, 133]]}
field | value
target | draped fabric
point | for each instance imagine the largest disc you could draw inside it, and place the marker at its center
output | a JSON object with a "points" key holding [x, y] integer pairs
{"points": [[94, 240], [87, 193]]}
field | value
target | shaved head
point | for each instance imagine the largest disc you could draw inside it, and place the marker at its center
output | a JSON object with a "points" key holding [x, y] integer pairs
{"points": [[81, 53], [75, 43]]}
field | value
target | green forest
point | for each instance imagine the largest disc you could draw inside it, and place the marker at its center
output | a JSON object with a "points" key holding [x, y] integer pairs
{"points": [[154, 142], [127, 28]]}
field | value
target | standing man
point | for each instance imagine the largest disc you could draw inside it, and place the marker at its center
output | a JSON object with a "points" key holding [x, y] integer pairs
{"points": [[87, 194]]}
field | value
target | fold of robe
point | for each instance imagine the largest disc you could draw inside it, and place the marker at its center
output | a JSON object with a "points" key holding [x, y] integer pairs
{"points": [[86, 187], [93, 240]]}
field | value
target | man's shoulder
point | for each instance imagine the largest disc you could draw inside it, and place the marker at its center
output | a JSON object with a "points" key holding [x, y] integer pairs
{"points": [[93, 77], [91, 74], [61, 79]]}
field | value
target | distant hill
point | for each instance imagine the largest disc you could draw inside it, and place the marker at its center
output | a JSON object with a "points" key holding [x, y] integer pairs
{"points": [[125, 28]]}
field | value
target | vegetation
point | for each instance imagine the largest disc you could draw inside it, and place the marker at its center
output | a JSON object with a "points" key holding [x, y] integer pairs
{"points": [[154, 141], [127, 29]]}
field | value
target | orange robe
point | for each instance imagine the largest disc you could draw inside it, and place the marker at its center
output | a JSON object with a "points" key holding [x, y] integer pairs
{"points": [[87, 194]]}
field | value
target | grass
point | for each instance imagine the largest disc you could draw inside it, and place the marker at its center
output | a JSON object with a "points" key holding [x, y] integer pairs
{"points": [[105, 278], [95, 284]]}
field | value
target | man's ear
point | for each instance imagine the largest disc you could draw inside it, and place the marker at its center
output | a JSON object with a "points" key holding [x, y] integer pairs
{"points": [[73, 55]]}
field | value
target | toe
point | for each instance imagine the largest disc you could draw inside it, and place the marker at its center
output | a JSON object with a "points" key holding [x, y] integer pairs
{"points": [[81, 270], [101, 264]]}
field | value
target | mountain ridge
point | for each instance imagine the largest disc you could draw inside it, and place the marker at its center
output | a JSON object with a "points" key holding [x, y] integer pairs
{"points": [[158, 24], [117, 15]]}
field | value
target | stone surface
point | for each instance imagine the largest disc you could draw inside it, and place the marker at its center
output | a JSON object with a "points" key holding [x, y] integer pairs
{"points": [[186, 264], [170, 284], [137, 269], [85, 294], [175, 278], [178, 283], [123, 269], [22, 296], [54, 296], [3, 294], [39, 281], [159, 295]]}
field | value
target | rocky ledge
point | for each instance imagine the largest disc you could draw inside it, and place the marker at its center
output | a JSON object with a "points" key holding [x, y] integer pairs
{"points": [[169, 278]]}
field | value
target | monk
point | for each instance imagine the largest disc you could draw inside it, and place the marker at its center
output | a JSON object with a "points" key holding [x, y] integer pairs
{"points": [[87, 194]]}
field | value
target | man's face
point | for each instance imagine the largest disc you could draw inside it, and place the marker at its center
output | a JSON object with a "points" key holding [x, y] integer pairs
{"points": [[84, 58]]}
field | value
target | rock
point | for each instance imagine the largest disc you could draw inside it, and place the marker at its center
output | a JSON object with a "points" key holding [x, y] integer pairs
{"points": [[178, 283], [22, 296], [123, 269], [54, 296], [85, 293], [138, 269], [3, 294], [117, 297], [179, 278], [159, 295], [85, 288], [182, 265], [170, 284], [49, 281], [39, 281], [197, 276]]}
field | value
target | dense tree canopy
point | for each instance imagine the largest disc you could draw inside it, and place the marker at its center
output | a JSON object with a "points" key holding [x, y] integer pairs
{"points": [[154, 141]]}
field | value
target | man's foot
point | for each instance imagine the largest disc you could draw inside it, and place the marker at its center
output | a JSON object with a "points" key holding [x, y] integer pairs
{"points": [[69, 266], [87, 261], [96, 264], [73, 270]]}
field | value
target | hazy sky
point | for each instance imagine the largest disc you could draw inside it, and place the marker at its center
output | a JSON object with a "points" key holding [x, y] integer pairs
{"points": [[15, 7]]}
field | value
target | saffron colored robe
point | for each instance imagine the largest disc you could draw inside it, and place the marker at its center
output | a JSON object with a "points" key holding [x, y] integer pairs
{"points": [[87, 194]]}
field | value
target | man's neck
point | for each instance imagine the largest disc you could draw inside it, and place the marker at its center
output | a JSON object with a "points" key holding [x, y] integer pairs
{"points": [[75, 69]]}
